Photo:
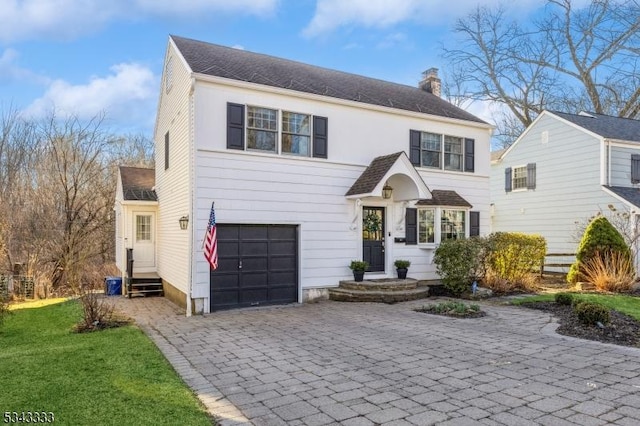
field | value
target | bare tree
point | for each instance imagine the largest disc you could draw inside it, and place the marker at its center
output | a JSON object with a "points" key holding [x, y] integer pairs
{"points": [[57, 188], [571, 59]]}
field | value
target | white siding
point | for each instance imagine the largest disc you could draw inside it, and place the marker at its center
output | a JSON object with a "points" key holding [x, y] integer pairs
{"points": [[568, 187], [118, 210], [172, 185], [263, 188]]}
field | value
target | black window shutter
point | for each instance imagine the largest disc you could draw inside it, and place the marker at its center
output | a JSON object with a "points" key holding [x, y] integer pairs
{"points": [[507, 179], [414, 147], [235, 126], [469, 154], [531, 176], [635, 168], [411, 227], [320, 136], [474, 224], [166, 150]]}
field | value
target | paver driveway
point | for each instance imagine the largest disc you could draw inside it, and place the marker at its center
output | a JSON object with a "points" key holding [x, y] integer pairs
{"points": [[363, 364]]}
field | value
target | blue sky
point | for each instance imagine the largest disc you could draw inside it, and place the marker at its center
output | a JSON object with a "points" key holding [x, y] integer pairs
{"points": [[85, 57]]}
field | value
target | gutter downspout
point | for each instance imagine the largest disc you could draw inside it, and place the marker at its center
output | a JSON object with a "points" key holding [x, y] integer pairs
{"points": [[191, 202], [608, 162]]}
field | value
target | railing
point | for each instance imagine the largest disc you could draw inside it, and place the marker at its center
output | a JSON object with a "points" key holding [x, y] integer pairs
{"points": [[557, 260], [21, 286]]}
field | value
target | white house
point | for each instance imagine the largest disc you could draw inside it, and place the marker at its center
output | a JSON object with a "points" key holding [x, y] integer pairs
{"points": [[562, 170], [309, 168]]}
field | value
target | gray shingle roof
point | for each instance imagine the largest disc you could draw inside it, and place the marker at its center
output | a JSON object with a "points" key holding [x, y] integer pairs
{"points": [[626, 129], [138, 183], [441, 197], [632, 195], [215, 60], [373, 174]]}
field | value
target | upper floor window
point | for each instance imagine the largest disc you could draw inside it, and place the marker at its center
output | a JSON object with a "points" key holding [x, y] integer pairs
{"points": [[431, 150], [296, 133], [520, 177], [442, 152], [262, 128], [453, 153], [276, 131]]}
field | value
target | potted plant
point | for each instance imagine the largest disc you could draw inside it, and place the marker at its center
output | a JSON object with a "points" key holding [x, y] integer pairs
{"points": [[358, 267], [401, 268]]}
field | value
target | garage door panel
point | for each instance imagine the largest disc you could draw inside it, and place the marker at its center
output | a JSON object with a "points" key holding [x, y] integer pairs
{"points": [[257, 264], [282, 247], [228, 249], [227, 299], [282, 263], [282, 232], [227, 232], [254, 296], [282, 295], [254, 248], [284, 278], [254, 279], [227, 281], [250, 264], [254, 232]]}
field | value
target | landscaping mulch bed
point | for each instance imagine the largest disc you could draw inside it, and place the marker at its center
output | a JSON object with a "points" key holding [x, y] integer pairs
{"points": [[622, 330]]}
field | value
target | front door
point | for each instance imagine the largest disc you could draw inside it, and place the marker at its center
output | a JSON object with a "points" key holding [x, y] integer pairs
{"points": [[144, 253], [373, 238]]}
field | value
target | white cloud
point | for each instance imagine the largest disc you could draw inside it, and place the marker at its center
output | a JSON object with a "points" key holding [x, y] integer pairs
{"points": [[10, 70], [128, 94], [67, 19], [333, 14]]}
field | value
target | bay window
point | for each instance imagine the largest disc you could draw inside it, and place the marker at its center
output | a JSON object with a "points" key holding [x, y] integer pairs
{"points": [[439, 224]]}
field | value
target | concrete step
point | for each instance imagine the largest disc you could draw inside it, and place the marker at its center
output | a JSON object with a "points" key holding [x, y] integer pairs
{"points": [[384, 296], [390, 284]]}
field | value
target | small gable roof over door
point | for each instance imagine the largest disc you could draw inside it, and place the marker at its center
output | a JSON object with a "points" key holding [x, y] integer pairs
{"points": [[381, 169], [138, 183]]}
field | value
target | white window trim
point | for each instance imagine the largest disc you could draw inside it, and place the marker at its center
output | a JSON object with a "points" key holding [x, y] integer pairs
{"points": [[513, 178], [437, 217], [442, 167], [279, 132]]}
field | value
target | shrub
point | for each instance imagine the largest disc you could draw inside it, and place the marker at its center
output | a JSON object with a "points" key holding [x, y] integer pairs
{"points": [[565, 299], [609, 271], [452, 308], [358, 265], [97, 312], [402, 264], [590, 313], [600, 238], [514, 255], [460, 262]]}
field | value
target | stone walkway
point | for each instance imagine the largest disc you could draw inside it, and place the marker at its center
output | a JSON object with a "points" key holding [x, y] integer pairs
{"points": [[377, 364]]}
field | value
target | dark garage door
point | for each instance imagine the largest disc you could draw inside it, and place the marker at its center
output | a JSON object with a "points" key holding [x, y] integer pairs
{"points": [[257, 265]]}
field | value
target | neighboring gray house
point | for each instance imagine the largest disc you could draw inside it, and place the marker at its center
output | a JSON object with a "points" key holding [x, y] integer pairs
{"points": [[562, 170]]}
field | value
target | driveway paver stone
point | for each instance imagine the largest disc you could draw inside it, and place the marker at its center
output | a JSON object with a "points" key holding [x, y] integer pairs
{"points": [[373, 364]]}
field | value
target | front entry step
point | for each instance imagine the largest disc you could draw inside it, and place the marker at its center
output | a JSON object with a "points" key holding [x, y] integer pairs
{"points": [[144, 287], [381, 291]]}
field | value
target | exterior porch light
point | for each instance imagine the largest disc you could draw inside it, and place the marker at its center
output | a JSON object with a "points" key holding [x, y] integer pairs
{"points": [[386, 191], [184, 222]]}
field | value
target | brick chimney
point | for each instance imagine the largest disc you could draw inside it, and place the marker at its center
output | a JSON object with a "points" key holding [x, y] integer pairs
{"points": [[430, 81]]}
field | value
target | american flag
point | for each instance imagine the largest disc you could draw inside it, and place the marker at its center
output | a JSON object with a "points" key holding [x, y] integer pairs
{"points": [[211, 241]]}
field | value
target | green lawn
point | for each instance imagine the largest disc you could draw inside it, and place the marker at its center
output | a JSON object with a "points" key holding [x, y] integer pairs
{"points": [[111, 377], [629, 305]]}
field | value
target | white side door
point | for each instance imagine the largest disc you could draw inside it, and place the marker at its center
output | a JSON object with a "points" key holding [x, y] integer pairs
{"points": [[144, 247]]}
